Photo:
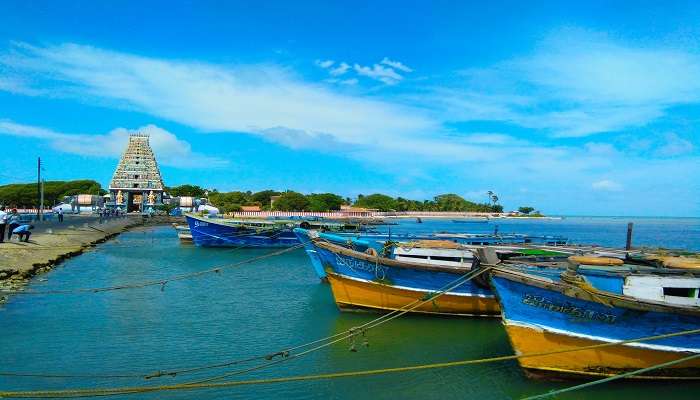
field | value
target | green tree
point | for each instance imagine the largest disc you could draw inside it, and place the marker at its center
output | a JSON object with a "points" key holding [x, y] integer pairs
{"points": [[324, 202], [25, 194], [526, 210], [450, 202], [376, 201], [262, 198], [291, 201], [229, 201], [186, 190]]}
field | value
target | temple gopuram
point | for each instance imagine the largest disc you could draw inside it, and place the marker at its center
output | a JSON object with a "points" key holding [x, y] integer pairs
{"points": [[136, 184]]}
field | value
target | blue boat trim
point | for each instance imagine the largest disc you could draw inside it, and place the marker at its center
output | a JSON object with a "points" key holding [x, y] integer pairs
{"points": [[551, 310], [415, 289], [646, 345]]}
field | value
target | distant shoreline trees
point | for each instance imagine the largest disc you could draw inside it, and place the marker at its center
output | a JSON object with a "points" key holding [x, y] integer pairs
{"points": [[319, 202], [24, 195]]}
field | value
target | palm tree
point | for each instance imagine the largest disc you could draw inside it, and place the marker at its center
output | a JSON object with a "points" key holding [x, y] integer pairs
{"points": [[495, 199], [490, 194]]}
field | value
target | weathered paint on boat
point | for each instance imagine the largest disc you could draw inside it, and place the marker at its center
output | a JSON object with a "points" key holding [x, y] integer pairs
{"points": [[407, 244], [218, 233], [354, 293], [542, 314], [366, 281]]}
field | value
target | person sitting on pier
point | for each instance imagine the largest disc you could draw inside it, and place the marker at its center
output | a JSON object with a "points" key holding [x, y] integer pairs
{"points": [[24, 232]]}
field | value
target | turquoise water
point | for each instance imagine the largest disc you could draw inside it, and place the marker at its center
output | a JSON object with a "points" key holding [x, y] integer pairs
{"points": [[263, 307], [677, 233]]}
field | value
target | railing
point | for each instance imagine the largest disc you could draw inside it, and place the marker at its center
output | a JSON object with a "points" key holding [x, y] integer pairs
{"points": [[435, 214], [361, 214], [286, 214]]}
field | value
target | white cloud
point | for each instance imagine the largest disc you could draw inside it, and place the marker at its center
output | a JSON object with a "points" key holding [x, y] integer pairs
{"points": [[300, 139], [379, 73], [396, 65], [273, 103], [592, 69], [577, 84], [339, 70], [603, 149], [212, 98], [491, 139], [324, 63], [675, 146], [606, 185], [168, 148]]}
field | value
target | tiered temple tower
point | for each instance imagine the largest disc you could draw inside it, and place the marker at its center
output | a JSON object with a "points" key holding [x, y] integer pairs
{"points": [[136, 183]]}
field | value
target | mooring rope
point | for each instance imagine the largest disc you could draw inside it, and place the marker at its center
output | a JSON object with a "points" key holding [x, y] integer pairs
{"points": [[283, 354], [613, 378], [157, 282], [94, 392], [286, 356]]}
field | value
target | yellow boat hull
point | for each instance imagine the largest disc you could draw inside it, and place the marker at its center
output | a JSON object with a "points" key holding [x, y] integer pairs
{"points": [[605, 361], [351, 293]]}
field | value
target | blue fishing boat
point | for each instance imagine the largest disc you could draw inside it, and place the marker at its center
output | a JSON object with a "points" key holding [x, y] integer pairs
{"points": [[416, 248], [223, 232], [545, 309], [361, 277]]}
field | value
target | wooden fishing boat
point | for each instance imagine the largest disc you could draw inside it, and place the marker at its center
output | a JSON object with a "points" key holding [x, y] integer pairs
{"points": [[361, 278], [545, 309], [234, 232], [436, 249]]}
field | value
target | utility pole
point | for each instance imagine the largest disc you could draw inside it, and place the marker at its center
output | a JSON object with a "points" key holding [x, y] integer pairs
{"points": [[38, 188], [41, 202]]}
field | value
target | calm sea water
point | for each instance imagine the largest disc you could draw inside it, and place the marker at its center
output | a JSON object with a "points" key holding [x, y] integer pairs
{"points": [[269, 305]]}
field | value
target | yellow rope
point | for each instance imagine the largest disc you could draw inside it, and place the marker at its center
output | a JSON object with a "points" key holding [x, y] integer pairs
{"points": [[208, 385], [158, 282], [285, 354], [613, 378]]}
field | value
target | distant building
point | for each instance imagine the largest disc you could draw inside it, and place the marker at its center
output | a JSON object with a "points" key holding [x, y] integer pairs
{"points": [[137, 182], [251, 208], [347, 208], [273, 199]]}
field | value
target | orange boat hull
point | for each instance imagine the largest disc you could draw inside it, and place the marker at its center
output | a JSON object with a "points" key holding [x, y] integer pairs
{"points": [[604, 361], [351, 293]]}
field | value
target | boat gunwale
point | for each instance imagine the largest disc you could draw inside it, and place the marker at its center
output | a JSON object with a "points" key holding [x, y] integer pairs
{"points": [[282, 223], [335, 248], [578, 293]]}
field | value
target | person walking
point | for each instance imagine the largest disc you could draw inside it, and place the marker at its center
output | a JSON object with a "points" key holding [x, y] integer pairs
{"points": [[12, 222], [60, 214], [24, 232], [3, 223]]}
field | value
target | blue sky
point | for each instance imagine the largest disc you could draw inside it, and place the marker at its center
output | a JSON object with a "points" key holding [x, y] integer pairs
{"points": [[586, 109]]}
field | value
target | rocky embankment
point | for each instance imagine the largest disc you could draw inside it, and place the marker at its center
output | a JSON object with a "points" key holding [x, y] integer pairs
{"points": [[51, 244]]}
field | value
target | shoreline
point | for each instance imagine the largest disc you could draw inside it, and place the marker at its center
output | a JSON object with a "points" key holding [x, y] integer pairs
{"points": [[51, 244]]}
